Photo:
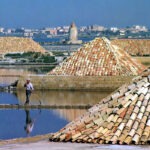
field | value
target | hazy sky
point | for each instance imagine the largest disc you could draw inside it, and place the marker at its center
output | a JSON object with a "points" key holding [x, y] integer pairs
{"points": [[44, 13]]}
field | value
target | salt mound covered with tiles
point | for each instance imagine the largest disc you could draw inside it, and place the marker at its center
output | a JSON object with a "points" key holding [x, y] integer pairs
{"points": [[99, 58], [135, 47], [17, 45], [123, 117]]}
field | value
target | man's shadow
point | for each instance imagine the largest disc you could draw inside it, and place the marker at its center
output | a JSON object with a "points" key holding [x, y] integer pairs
{"points": [[29, 122]]}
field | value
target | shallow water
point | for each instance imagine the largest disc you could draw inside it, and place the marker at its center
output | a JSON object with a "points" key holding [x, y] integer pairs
{"points": [[14, 125], [8, 98], [13, 122], [47, 97]]}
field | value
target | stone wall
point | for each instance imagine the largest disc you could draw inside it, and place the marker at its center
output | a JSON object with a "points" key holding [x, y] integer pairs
{"points": [[17, 44], [47, 82]]}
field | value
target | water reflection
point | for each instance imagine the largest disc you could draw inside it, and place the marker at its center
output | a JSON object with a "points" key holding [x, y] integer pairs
{"points": [[62, 97], [69, 114], [30, 122], [23, 123]]}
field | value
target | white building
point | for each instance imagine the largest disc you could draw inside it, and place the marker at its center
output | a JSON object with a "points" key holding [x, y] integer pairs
{"points": [[49, 31], [8, 31], [66, 29], [114, 29], [122, 32], [1, 30], [97, 28], [83, 28], [141, 28], [138, 28]]}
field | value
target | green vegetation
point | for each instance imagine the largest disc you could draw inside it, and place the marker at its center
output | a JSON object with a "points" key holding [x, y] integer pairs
{"points": [[31, 57], [57, 53]]}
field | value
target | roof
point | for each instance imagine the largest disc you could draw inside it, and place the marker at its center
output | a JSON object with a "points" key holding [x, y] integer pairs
{"points": [[99, 58], [122, 117]]}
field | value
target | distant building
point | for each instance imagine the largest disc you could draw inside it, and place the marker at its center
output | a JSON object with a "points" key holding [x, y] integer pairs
{"points": [[122, 32], [50, 31], [8, 31], [28, 34], [73, 35], [83, 29], [97, 28], [141, 28], [66, 29], [138, 28], [114, 29], [1, 30]]}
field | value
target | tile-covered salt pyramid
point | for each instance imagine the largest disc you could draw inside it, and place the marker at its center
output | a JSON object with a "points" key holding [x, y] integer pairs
{"points": [[18, 44], [123, 117], [135, 47], [99, 58]]}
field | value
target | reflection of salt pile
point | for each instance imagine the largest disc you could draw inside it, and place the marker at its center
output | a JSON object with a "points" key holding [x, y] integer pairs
{"points": [[98, 58], [123, 117], [134, 46], [17, 44], [63, 98], [69, 114]]}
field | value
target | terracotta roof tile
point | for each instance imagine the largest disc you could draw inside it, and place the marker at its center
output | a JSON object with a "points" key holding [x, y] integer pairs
{"points": [[128, 121], [99, 58]]}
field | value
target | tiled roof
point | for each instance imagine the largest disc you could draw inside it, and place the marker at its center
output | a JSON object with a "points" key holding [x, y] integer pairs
{"points": [[123, 117], [98, 58], [134, 46], [17, 44]]}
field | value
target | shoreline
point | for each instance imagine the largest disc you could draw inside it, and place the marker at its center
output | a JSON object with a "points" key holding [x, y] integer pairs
{"points": [[141, 59], [28, 64], [46, 145]]}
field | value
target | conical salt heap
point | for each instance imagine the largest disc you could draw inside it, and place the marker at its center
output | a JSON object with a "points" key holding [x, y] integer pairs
{"points": [[123, 117], [99, 58], [135, 47], [19, 44]]}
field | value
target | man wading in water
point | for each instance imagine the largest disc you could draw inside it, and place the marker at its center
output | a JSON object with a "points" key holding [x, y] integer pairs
{"points": [[29, 88]]}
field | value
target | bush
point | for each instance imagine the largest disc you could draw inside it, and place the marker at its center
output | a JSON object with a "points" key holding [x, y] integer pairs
{"points": [[32, 57]]}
